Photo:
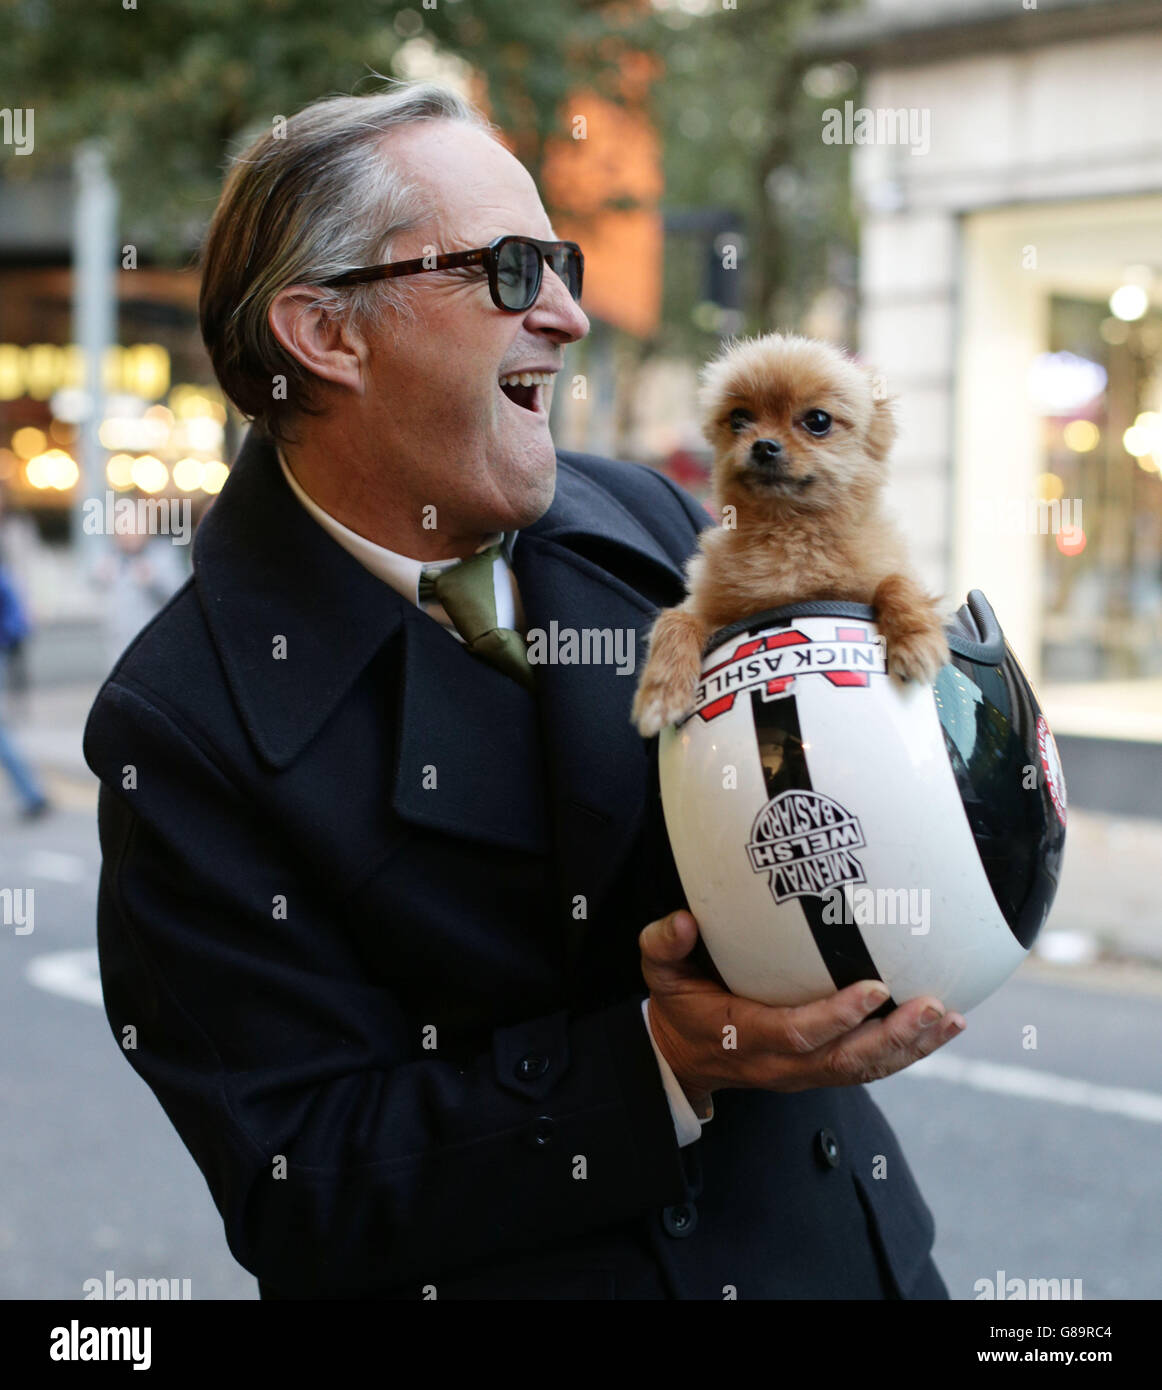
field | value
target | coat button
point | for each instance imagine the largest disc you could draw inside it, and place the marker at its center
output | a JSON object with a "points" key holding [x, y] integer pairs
{"points": [[681, 1220], [541, 1131], [531, 1065], [827, 1148]]}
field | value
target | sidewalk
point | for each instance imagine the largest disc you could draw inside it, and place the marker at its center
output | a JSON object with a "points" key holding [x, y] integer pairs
{"points": [[1108, 906], [47, 725], [1109, 886]]}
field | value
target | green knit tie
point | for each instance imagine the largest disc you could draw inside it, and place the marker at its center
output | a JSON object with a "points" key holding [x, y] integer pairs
{"points": [[466, 593]]}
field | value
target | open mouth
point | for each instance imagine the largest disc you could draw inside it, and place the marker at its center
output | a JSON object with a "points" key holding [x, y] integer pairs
{"points": [[526, 389]]}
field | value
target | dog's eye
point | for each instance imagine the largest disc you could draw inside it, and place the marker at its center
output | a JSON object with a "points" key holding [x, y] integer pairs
{"points": [[816, 422], [739, 419]]}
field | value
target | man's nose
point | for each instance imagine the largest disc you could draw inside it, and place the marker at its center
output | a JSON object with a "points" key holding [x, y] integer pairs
{"points": [[556, 311]]}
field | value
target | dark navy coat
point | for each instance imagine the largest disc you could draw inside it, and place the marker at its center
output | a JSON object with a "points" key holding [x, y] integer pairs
{"points": [[372, 911]]}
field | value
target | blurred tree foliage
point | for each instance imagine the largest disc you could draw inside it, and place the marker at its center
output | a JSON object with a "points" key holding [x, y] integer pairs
{"points": [[741, 107], [172, 86]]}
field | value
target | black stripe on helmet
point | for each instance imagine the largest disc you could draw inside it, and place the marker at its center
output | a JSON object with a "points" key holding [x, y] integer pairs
{"points": [[784, 762]]}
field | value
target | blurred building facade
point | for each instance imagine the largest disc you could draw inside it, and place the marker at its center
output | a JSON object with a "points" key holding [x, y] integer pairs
{"points": [[1009, 181], [164, 433]]}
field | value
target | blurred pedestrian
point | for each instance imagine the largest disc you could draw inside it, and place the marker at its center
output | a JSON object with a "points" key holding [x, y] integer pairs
{"points": [[14, 628], [19, 544], [138, 575]]}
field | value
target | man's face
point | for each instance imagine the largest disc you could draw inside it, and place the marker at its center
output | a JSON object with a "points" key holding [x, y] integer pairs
{"points": [[451, 436]]}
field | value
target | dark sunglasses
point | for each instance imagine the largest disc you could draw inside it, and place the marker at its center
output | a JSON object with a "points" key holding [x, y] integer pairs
{"points": [[515, 266]]}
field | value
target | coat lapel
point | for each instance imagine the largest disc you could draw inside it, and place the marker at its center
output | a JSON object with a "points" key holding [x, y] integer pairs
{"points": [[294, 617], [469, 753], [563, 771], [597, 763], [297, 620]]}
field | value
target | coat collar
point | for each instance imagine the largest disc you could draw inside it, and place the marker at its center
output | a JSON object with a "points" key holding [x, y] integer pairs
{"points": [[296, 620]]}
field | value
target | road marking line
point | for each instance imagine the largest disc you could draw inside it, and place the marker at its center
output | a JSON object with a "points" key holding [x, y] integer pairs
{"points": [[71, 974], [1040, 1085], [76, 975]]}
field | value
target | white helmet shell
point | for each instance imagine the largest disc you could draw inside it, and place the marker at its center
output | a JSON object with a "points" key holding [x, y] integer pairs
{"points": [[831, 825]]}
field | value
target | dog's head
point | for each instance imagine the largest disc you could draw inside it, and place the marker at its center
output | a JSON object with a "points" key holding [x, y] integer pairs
{"points": [[796, 426]]}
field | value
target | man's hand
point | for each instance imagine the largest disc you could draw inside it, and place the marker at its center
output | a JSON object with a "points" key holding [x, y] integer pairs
{"points": [[830, 1042]]}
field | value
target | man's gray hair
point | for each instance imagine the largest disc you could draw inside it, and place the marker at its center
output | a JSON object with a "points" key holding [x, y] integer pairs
{"points": [[301, 204]]}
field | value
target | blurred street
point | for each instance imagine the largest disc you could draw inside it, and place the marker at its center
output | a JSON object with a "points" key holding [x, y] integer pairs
{"points": [[104, 1182], [100, 1179]]}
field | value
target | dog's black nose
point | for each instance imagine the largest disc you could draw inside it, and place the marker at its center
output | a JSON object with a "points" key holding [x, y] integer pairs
{"points": [[766, 451]]}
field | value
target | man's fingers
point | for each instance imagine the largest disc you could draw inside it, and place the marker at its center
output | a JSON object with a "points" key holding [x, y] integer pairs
{"points": [[880, 1047], [834, 1042], [806, 1027], [829, 1042]]}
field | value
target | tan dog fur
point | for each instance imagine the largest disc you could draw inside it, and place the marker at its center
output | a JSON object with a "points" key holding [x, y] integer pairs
{"points": [[815, 530]]}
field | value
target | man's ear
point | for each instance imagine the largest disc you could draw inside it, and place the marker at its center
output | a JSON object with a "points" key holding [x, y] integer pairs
{"points": [[325, 345], [881, 429]]}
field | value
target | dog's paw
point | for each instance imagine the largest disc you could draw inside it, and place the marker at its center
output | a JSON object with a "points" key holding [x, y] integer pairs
{"points": [[669, 681], [657, 704], [918, 656]]}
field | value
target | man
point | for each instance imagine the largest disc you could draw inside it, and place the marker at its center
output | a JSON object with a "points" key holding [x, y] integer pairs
{"points": [[382, 901]]}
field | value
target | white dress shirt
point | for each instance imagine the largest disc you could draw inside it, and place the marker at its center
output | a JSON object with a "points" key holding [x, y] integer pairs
{"points": [[403, 574]]}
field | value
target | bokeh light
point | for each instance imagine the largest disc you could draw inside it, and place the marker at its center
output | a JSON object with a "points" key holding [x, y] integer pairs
{"points": [[29, 441], [119, 471], [1129, 303], [1081, 436], [52, 469], [149, 473], [214, 475], [187, 474]]}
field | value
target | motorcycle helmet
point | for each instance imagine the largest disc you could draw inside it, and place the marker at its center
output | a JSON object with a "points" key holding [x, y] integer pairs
{"points": [[830, 824]]}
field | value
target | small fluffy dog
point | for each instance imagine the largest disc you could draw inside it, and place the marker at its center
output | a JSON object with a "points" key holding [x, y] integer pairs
{"points": [[801, 438]]}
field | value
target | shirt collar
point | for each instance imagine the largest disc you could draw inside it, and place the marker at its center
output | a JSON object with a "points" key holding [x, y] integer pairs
{"points": [[402, 572]]}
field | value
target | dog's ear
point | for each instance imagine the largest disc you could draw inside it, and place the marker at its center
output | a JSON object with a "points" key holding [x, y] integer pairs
{"points": [[881, 430], [712, 383]]}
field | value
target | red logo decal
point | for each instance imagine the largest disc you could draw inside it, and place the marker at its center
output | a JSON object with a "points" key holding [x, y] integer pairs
{"points": [[770, 664]]}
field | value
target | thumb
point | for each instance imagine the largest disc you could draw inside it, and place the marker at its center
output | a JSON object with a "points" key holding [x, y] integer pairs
{"points": [[669, 939]]}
